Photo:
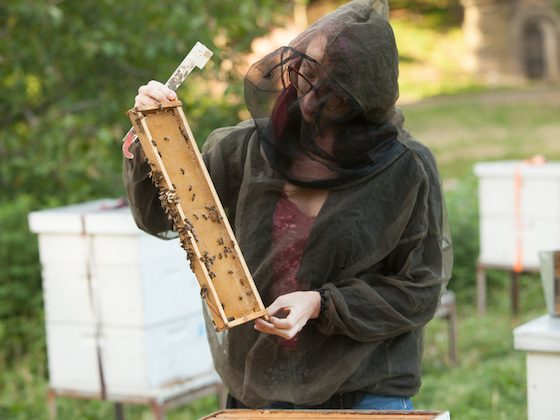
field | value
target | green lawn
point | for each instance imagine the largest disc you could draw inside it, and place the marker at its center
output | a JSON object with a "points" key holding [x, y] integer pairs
{"points": [[491, 125], [489, 380]]}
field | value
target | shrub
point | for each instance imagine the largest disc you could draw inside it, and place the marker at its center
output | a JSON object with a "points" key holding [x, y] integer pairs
{"points": [[462, 207], [20, 282]]}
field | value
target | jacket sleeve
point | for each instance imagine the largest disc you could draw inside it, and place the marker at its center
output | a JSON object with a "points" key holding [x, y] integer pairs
{"points": [[142, 194], [223, 154], [400, 293]]}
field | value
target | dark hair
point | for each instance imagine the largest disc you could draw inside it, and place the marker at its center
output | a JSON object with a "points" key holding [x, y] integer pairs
{"points": [[286, 116]]}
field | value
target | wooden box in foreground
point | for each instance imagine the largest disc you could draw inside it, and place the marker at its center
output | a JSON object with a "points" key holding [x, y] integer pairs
{"points": [[192, 205], [326, 415]]}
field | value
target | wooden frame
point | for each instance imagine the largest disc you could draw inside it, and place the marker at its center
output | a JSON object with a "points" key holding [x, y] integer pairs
{"points": [[326, 415], [190, 200]]}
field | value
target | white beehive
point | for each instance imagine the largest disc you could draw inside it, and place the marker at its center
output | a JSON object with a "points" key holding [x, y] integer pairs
{"points": [[519, 212], [116, 294]]}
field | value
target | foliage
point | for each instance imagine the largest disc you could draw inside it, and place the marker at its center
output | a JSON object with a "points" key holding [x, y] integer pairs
{"points": [[431, 60], [66, 84], [462, 206], [19, 282], [68, 71], [435, 13]]}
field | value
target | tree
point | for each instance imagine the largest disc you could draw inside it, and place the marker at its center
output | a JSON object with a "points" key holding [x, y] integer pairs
{"points": [[68, 72]]}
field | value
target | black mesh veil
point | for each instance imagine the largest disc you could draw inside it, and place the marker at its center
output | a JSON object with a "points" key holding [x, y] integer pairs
{"points": [[328, 96]]}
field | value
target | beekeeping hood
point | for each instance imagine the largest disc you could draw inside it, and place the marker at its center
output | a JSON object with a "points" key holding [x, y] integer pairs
{"points": [[358, 62]]}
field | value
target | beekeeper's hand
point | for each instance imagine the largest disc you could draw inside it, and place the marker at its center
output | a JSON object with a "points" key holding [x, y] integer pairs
{"points": [[153, 94], [299, 307]]}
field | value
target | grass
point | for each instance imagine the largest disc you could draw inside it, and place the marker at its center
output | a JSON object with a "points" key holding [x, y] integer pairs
{"points": [[487, 126], [489, 380]]}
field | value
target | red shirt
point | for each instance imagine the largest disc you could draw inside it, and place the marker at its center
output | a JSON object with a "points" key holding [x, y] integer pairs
{"points": [[290, 232]]}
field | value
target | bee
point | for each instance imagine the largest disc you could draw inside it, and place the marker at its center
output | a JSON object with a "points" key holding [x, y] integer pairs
{"points": [[183, 132], [171, 197]]}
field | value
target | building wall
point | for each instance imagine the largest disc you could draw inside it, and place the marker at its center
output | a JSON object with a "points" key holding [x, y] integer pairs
{"points": [[512, 40]]}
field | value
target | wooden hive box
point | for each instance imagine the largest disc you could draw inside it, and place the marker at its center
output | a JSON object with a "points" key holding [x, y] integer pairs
{"points": [[192, 205], [326, 415], [519, 206], [117, 304]]}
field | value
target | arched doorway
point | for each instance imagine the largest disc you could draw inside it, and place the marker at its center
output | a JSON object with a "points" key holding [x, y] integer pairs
{"points": [[533, 50]]}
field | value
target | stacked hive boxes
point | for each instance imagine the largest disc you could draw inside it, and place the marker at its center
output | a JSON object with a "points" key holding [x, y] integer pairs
{"points": [[119, 304], [519, 212]]}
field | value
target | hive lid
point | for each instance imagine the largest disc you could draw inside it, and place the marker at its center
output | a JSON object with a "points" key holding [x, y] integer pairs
{"points": [[508, 168], [541, 334], [102, 216]]}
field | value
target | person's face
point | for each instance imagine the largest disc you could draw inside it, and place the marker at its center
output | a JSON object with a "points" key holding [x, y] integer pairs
{"points": [[314, 93]]}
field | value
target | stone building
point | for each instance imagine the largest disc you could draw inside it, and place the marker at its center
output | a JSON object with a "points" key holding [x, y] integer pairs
{"points": [[512, 40]]}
